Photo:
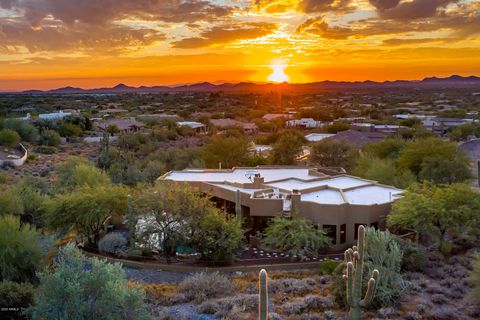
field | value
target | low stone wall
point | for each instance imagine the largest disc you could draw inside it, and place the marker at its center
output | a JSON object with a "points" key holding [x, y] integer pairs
{"points": [[190, 268]]}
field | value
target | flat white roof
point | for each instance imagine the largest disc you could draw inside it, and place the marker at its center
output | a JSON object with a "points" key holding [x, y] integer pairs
{"points": [[318, 136], [240, 175], [326, 196], [373, 194], [356, 191]]}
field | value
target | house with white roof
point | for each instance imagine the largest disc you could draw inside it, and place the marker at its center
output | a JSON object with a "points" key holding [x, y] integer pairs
{"points": [[305, 123], [315, 137], [54, 116], [198, 127], [335, 201]]}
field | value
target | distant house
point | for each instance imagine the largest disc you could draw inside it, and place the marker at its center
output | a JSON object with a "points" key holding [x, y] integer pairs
{"points": [[196, 126], [274, 116], [315, 137], [305, 123], [387, 128], [159, 116], [442, 125], [125, 125], [359, 139], [54, 116], [260, 150], [248, 128]]}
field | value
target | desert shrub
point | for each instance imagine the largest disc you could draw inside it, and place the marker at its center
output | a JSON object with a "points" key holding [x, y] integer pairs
{"points": [[69, 130], [223, 308], [15, 295], [45, 149], [9, 137], [87, 288], [26, 130], [296, 236], [20, 254], [292, 286], [112, 243], [50, 138], [10, 202], [309, 303], [327, 267], [414, 257], [339, 286], [204, 286]]}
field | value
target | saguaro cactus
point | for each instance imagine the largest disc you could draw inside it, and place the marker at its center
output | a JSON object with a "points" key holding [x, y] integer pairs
{"points": [[262, 295], [354, 257], [238, 206]]}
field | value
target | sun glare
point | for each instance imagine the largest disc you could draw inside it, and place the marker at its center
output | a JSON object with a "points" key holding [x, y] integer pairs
{"points": [[278, 72]]}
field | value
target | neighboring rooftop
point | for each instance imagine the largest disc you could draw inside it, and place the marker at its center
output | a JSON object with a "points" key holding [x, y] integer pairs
{"points": [[359, 138]]}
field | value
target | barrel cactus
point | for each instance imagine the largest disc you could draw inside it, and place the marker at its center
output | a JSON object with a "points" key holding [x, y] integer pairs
{"points": [[354, 258], [263, 296]]}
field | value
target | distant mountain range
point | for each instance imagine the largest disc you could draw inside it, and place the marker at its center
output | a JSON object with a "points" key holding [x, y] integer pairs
{"points": [[454, 81]]}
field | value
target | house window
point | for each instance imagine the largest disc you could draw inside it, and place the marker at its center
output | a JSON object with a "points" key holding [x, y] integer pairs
{"points": [[343, 233], [331, 231], [374, 225], [356, 229]]}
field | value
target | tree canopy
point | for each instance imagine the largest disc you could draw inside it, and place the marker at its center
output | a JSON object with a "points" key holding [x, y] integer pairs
{"points": [[20, 254], [79, 288], [296, 236], [433, 211], [333, 153]]}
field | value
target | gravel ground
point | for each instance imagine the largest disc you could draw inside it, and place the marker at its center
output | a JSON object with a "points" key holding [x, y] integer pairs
{"points": [[187, 312], [154, 276]]}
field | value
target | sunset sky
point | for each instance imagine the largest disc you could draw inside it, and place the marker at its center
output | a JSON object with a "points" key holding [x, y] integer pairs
{"points": [[93, 43]]}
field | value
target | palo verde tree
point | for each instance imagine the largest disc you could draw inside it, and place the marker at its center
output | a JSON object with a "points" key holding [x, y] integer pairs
{"points": [[87, 209], [287, 147], [437, 211], [296, 236]]}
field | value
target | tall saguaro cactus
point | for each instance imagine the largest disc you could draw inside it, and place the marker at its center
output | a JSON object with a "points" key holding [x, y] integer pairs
{"points": [[262, 295], [238, 206], [354, 257]]}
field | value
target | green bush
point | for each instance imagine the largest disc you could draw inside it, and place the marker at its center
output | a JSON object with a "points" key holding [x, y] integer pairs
{"points": [[50, 138], [45, 150], [20, 254], [204, 286], [414, 258], [26, 130], [69, 130], [327, 267], [15, 295], [218, 238], [9, 138], [112, 243], [87, 288], [298, 237]]}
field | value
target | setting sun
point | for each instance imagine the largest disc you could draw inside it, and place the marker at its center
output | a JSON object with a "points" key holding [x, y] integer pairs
{"points": [[278, 72]]}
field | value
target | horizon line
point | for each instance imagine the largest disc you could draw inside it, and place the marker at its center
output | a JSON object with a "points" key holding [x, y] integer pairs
{"points": [[221, 82]]}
